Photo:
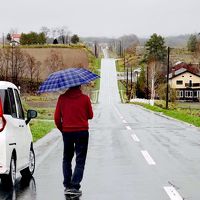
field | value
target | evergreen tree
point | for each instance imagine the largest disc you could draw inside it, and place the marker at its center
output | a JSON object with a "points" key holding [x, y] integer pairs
{"points": [[8, 37], [55, 41], [74, 39], [32, 38], [155, 55], [155, 49]]}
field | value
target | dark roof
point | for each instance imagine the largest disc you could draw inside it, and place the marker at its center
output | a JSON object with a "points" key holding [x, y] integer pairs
{"points": [[194, 68], [183, 73]]}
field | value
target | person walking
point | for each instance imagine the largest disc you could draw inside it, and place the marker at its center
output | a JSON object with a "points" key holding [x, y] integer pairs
{"points": [[73, 110]]}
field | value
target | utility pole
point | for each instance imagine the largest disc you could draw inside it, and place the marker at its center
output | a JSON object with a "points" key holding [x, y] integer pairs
{"points": [[120, 48], [95, 50], [3, 40], [124, 63], [147, 91], [127, 81], [167, 92], [131, 78]]}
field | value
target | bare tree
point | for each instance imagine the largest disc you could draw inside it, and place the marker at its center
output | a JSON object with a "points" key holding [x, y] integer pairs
{"points": [[5, 63], [45, 30], [54, 32], [19, 60], [37, 71], [62, 31], [31, 66], [2, 72], [55, 61]]}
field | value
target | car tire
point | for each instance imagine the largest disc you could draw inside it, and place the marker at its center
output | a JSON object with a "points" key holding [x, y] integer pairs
{"points": [[29, 171], [10, 179]]}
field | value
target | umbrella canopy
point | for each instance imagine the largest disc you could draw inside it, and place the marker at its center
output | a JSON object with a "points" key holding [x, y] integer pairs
{"points": [[67, 78]]}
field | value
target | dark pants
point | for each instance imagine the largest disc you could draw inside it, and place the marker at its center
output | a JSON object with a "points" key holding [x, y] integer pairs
{"points": [[74, 142]]}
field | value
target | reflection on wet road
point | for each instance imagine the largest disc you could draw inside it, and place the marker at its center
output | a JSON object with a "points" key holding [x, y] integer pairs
{"points": [[25, 189]]}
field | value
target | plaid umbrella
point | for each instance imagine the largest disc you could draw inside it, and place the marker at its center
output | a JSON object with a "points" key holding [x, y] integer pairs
{"points": [[67, 78]]}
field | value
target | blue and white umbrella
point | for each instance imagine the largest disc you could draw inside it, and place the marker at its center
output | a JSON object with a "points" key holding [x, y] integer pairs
{"points": [[67, 78]]}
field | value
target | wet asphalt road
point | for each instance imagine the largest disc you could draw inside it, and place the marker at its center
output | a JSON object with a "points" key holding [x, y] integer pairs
{"points": [[133, 154]]}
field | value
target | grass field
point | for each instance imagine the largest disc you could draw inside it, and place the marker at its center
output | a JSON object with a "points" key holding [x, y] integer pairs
{"points": [[188, 105], [40, 128], [186, 115]]}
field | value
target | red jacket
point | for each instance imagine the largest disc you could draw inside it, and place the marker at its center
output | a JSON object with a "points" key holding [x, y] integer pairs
{"points": [[73, 111]]}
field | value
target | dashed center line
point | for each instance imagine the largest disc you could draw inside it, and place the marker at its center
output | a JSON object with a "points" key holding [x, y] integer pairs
{"points": [[148, 158], [128, 128], [119, 114], [124, 121], [172, 193], [135, 138]]}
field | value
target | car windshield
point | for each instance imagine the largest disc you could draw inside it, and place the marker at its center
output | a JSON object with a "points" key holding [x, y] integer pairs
{"points": [[5, 101]]}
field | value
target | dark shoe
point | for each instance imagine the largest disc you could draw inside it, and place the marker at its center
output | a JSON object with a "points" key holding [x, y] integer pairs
{"points": [[74, 191], [66, 190]]}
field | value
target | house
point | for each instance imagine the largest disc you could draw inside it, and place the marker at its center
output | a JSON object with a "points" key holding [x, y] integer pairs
{"points": [[16, 38], [186, 84]]}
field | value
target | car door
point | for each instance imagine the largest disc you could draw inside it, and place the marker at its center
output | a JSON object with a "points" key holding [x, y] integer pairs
{"points": [[25, 139], [14, 130]]}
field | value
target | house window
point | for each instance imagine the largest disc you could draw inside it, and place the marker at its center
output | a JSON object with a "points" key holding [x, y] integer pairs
{"points": [[179, 93], [198, 94], [196, 84], [188, 93], [195, 93], [179, 82]]}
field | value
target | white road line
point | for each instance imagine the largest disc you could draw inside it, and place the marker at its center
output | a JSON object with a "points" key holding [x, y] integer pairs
{"points": [[172, 193], [135, 138], [119, 114], [148, 158], [128, 128], [124, 121]]}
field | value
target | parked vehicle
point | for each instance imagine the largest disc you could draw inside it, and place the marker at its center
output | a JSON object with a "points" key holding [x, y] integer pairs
{"points": [[16, 144]]}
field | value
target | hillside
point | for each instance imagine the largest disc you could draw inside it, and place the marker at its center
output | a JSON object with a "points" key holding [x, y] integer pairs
{"points": [[69, 57]]}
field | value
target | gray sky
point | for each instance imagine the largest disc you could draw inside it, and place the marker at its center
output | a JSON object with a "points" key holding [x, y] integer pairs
{"points": [[110, 18]]}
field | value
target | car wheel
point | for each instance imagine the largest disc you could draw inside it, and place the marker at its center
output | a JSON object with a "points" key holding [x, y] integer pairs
{"points": [[28, 172], [10, 179]]}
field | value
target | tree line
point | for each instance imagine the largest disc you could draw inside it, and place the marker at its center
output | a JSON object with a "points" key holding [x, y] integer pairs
{"points": [[58, 35]]}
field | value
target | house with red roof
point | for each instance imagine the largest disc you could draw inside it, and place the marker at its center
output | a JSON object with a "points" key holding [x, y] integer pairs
{"points": [[185, 79], [16, 37]]}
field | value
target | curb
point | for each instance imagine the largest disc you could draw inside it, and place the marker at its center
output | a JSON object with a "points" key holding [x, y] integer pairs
{"points": [[44, 146], [51, 136]]}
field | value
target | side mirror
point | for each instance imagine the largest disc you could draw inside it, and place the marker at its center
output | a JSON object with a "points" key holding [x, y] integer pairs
{"points": [[30, 115]]}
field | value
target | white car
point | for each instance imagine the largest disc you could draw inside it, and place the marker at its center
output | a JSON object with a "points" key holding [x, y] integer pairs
{"points": [[16, 144]]}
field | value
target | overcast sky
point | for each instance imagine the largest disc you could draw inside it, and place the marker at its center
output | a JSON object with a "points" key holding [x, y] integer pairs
{"points": [[111, 18]]}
